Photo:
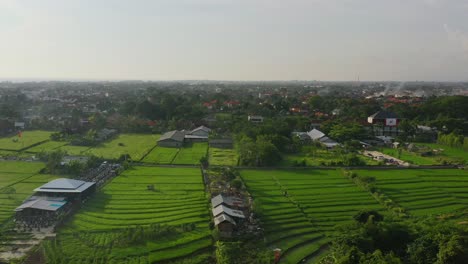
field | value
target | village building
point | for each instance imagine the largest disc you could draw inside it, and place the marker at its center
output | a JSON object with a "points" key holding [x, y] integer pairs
{"points": [[172, 139], [255, 119], [226, 219], [225, 225], [19, 125], [51, 201], [316, 136], [231, 201], [384, 123], [199, 134], [222, 209]]}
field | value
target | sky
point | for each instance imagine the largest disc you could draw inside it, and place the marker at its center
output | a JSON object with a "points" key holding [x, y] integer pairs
{"points": [[328, 40]]}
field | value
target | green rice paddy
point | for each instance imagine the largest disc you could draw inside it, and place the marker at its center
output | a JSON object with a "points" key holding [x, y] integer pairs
{"points": [[178, 199]]}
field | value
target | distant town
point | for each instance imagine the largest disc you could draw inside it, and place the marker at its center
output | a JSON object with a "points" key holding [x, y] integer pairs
{"points": [[233, 172]]}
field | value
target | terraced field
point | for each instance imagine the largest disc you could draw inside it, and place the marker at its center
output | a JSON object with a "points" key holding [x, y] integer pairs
{"points": [[222, 157], [424, 192], [178, 199], [191, 155], [300, 207], [28, 139], [17, 182]]}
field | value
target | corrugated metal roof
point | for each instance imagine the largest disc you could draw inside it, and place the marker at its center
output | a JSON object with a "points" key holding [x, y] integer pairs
{"points": [[173, 135], [383, 115], [41, 203], [315, 134], [228, 200], [203, 128], [65, 186], [226, 210], [223, 218]]}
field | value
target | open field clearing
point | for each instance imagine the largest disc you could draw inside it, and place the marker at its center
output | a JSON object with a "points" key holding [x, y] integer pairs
{"points": [[178, 199], [17, 182], [423, 192], [136, 145], [161, 155], [320, 157], [28, 139], [222, 157], [74, 150], [191, 154], [300, 207], [448, 155], [47, 146]]}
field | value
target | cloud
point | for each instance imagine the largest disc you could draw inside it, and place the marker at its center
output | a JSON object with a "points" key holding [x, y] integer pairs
{"points": [[457, 37]]}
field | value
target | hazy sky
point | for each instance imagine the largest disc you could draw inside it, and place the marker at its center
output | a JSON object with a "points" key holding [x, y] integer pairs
{"points": [[235, 39]]}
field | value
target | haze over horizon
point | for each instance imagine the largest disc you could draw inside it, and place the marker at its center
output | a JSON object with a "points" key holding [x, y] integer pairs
{"points": [[333, 40]]}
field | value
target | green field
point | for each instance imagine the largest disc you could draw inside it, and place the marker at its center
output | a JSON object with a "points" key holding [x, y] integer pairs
{"points": [[161, 155], [136, 145], [320, 157], [448, 155], [47, 146], [300, 207], [28, 139], [191, 154], [17, 182], [178, 199], [222, 157], [423, 192]]}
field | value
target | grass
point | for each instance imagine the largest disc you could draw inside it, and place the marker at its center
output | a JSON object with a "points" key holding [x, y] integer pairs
{"points": [[178, 198], [161, 155], [136, 145], [28, 139], [47, 146], [448, 155], [222, 157], [300, 207], [319, 157], [191, 154]]}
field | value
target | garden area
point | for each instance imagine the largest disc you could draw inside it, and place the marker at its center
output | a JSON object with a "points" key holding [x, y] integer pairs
{"points": [[145, 215]]}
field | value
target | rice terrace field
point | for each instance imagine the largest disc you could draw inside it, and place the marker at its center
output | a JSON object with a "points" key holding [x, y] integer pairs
{"points": [[301, 208], [177, 204], [424, 192]]}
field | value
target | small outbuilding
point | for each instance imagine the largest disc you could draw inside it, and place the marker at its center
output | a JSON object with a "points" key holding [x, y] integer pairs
{"points": [[221, 209], [225, 225], [226, 200]]}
